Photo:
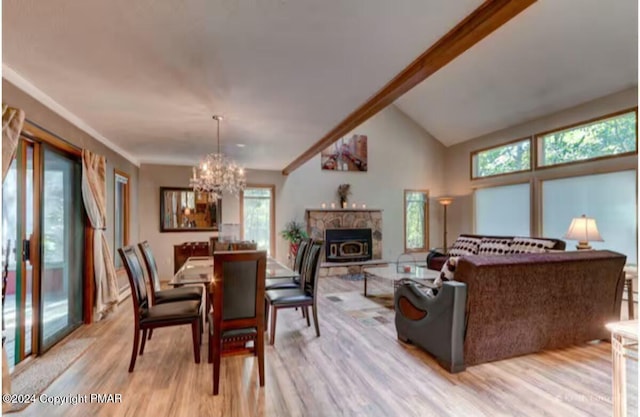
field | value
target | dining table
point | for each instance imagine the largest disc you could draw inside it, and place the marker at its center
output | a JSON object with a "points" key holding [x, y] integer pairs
{"points": [[198, 270]]}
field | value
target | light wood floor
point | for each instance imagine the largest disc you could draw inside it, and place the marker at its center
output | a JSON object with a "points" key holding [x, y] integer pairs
{"points": [[351, 370]]}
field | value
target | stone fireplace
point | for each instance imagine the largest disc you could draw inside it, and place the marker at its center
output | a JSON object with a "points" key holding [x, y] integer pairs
{"points": [[321, 221]]}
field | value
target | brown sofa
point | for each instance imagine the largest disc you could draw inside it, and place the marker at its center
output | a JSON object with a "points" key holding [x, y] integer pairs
{"points": [[509, 305], [436, 257]]}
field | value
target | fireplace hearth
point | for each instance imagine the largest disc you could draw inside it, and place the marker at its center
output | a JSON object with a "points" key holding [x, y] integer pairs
{"points": [[348, 245]]}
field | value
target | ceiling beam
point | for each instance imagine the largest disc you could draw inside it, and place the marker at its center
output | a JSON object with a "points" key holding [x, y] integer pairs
{"points": [[491, 15]]}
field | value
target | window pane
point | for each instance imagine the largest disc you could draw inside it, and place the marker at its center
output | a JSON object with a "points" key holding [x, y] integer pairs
{"points": [[504, 159], [257, 217], [609, 198], [503, 211], [605, 137], [415, 204]]}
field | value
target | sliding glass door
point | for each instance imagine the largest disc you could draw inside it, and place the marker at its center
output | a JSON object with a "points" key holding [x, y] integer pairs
{"points": [[42, 249], [17, 272], [62, 247]]}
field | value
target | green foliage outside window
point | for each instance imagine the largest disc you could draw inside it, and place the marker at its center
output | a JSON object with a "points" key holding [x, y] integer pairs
{"points": [[612, 136], [512, 157], [415, 206], [257, 216]]}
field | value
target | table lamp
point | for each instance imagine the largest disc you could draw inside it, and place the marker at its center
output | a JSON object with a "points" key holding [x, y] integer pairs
{"points": [[583, 229]]}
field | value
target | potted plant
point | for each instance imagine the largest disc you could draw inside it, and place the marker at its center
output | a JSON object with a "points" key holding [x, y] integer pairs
{"points": [[344, 190], [293, 233]]}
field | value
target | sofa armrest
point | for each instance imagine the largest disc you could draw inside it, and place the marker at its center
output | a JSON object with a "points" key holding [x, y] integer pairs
{"points": [[434, 323], [436, 258]]}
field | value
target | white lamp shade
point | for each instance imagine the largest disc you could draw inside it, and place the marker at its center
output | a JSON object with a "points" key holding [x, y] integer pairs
{"points": [[583, 229]]}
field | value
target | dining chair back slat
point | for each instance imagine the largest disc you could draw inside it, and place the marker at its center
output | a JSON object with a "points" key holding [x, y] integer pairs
{"points": [[136, 277], [310, 271], [152, 266], [303, 248], [239, 297]]}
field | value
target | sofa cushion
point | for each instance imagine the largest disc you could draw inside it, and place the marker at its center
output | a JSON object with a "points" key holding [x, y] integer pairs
{"points": [[465, 246], [530, 245], [447, 273], [491, 246]]}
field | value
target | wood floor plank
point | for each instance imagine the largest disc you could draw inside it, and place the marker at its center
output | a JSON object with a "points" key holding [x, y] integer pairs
{"points": [[353, 369]]}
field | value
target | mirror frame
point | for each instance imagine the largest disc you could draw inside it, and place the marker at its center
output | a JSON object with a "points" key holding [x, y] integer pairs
{"points": [[164, 229]]}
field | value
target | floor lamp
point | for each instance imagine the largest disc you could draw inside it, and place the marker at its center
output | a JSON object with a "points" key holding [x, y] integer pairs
{"points": [[445, 201]]}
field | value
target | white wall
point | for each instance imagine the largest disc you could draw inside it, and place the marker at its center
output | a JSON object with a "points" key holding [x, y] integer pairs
{"points": [[401, 155]]}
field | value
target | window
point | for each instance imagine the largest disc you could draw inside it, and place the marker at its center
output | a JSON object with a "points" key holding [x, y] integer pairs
{"points": [[609, 198], [503, 210], [121, 214], [416, 208], [612, 135], [505, 159], [257, 213]]}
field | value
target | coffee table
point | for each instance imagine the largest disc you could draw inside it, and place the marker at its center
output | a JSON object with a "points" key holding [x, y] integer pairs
{"points": [[390, 272]]}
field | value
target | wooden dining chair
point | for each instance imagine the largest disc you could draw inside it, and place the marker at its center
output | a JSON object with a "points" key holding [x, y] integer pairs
{"points": [[220, 247], [159, 296], [237, 294], [303, 296], [149, 317], [284, 283], [244, 245]]}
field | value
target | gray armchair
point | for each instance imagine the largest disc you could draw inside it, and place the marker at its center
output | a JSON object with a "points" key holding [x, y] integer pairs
{"points": [[434, 323]]}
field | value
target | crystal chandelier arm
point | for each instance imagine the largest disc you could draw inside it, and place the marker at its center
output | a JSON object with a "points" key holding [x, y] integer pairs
{"points": [[217, 174]]}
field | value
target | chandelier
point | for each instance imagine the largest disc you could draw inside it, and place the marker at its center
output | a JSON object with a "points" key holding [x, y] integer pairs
{"points": [[216, 174]]}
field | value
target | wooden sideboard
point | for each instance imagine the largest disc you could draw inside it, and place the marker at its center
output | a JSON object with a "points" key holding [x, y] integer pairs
{"points": [[184, 250]]}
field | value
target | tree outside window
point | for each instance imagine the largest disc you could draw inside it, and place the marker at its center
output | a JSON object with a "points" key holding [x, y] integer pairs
{"points": [[257, 212], [504, 159], [416, 204], [605, 137]]}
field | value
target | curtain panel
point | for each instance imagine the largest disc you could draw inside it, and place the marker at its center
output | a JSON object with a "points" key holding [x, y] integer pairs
{"points": [[12, 121], [94, 195]]}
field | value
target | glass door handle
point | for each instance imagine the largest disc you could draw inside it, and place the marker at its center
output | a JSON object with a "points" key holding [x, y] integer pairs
{"points": [[26, 250]]}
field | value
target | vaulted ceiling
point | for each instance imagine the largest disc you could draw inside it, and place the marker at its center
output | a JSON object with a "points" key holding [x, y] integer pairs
{"points": [[556, 54], [147, 75]]}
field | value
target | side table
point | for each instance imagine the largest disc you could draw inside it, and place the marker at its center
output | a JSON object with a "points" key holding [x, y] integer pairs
{"points": [[624, 344]]}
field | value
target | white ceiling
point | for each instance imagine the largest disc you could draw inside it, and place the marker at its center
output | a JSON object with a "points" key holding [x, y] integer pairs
{"points": [[147, 75], [554, 55]]}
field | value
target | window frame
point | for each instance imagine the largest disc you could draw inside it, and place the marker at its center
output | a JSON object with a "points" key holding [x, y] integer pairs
{"points": [[539, 140], [426, 221], [472, 175], [118, 176], [272, 220]]}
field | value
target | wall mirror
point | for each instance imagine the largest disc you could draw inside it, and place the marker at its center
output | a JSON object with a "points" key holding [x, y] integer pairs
{"points": [[182, 210]]}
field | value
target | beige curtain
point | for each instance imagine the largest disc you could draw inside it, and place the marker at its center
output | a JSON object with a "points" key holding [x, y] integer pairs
{"points": [[12, 121], [94, 194]]}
